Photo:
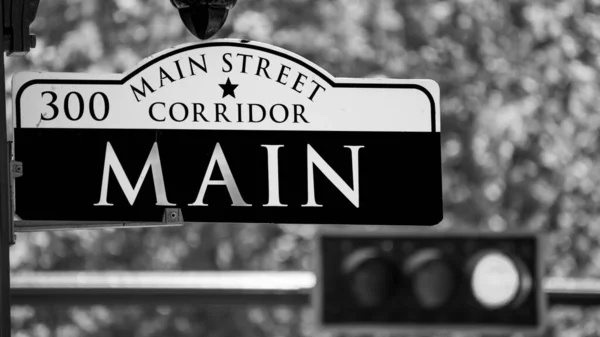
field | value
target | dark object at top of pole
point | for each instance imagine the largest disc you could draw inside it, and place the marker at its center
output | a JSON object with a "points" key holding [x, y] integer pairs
{"points": [[203, 18], [17, 17]]}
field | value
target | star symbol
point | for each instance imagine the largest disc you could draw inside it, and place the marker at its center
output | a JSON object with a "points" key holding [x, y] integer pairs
{"points": [[228, 88]]}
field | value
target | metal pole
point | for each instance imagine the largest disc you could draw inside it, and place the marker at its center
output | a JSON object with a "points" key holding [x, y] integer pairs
{"points": [[5, 205], [43, 226], [217, 288]]}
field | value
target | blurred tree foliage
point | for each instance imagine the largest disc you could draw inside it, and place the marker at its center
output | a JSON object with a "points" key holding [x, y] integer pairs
{"points": [[519, 83]]}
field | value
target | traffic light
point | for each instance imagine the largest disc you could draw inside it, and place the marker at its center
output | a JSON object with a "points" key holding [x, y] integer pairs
{"points": [[18, 16], [428, 280]]}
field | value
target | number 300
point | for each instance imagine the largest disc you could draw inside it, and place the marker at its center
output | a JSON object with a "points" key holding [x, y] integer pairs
{"points": [[75, 116]]}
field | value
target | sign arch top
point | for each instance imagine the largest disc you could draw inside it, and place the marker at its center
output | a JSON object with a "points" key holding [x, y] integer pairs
{"points": [[262, 73]]}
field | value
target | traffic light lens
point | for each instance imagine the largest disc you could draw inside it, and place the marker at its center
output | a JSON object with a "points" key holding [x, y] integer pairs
{"points": [[373, 282], [495, 280], [433, 284]]}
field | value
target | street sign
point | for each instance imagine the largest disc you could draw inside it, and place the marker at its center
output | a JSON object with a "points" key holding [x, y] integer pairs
{"points": [[227, 131]]}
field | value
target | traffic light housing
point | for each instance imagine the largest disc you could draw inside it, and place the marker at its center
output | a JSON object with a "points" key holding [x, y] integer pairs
{"points": [[18, 15], [428, 280], [203, 18]]}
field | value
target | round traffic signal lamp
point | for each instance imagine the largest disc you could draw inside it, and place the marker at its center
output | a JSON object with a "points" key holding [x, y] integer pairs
{"points": [[498, 280], [373, 278], [433, 279]]}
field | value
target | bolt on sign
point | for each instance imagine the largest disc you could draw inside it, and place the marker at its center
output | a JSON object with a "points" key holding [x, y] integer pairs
{"points": [[227, 131]]}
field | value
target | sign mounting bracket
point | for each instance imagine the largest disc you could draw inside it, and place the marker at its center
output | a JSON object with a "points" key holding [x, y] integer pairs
{"points": [[16, 168], [16, 171], [172, 216]]}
